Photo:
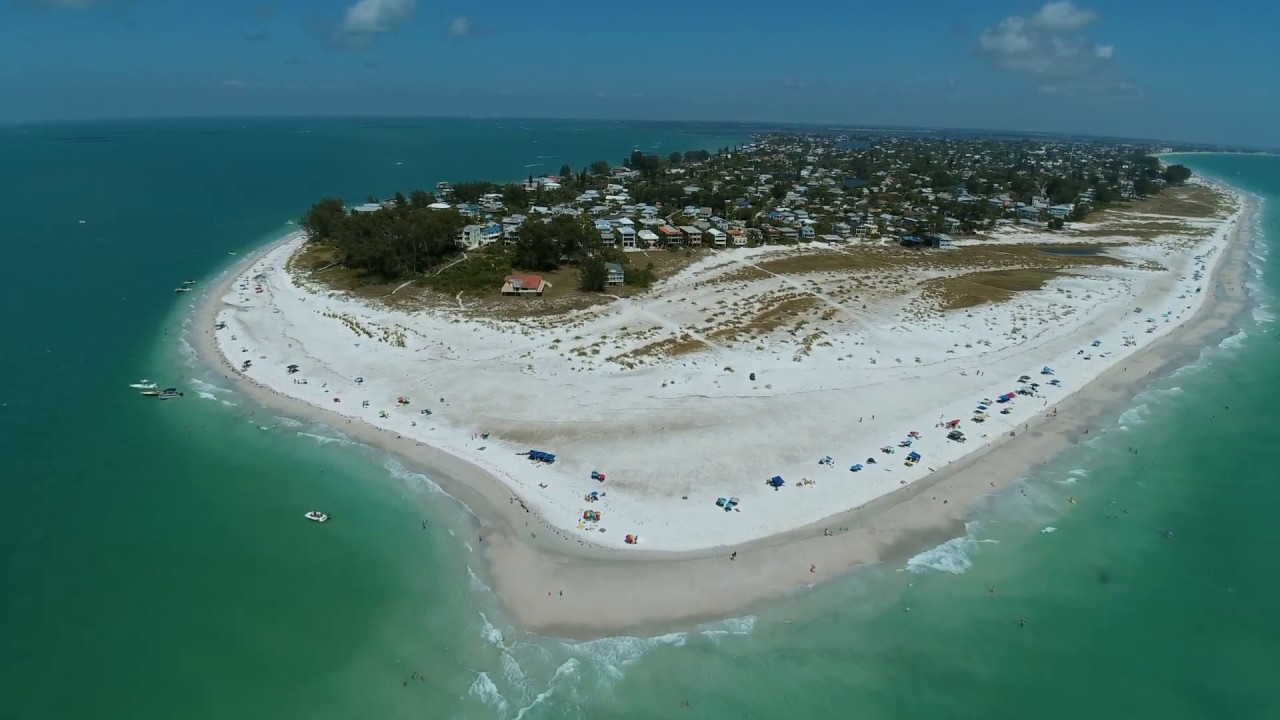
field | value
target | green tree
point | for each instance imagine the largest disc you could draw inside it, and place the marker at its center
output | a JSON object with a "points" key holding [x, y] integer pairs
{"points": [[1176, 174], [1055, 223], [566, 172], [599, 167], [420, 199], [323, 218], [515, 196], [642, 277], [471, 191], [675, 158], [593, 276]]}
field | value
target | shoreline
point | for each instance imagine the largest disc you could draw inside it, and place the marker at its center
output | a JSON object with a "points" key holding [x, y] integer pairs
{"points": [[610, 590]]}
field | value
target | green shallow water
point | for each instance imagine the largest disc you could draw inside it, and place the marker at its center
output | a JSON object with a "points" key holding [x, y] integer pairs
{"points": [[155, 563]]}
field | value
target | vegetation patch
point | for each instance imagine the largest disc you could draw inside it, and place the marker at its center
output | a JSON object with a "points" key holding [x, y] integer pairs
{"points": [[994, 286], [684, 344]]}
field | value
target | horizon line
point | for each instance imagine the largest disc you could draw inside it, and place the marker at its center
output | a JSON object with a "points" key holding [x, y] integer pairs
{"points": [[845, 127]]}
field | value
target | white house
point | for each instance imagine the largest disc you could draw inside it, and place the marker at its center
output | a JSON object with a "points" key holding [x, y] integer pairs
{"points": [[615, 274], [718, 237], [648, 237], [628, 236], [471, 237], [367, 207]]}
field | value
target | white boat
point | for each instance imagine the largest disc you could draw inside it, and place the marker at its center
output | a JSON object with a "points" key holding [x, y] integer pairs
{"points": [[169, 394], [316, 516], [186, 283], [182, 289], [143, 384], [150, 393]]}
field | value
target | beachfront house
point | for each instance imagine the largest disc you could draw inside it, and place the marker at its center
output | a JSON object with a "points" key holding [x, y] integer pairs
{"points": [[670, 236], [737, 236], [615, 274], [524, 284], [648, 237], [628, 235], [692, 235], [718, 237], [471, 237]]}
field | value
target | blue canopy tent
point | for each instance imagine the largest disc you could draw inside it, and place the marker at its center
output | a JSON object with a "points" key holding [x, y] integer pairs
{"points": [[776, 481], [913, 457], [856, 467]]}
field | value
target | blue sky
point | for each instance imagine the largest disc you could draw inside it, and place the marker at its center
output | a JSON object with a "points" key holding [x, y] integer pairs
{"points": [[1182, 71]]}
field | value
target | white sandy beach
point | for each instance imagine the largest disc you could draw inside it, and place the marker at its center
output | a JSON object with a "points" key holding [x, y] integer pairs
{"points": [[673, 436]]}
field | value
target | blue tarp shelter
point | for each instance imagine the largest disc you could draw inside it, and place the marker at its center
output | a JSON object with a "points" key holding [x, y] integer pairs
{"points": [[777, 481]]}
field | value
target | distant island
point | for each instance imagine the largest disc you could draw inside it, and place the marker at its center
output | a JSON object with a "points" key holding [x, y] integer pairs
{"points": [[784, 357]]}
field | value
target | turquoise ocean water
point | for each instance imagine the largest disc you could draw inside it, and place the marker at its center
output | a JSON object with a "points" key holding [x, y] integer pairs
{"points": [[154, 563]]}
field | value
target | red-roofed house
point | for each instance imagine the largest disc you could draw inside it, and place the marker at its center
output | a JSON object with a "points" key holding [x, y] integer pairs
{"points": [[524, 284]]}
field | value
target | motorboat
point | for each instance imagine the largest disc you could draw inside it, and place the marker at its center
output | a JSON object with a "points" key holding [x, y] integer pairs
{"points": [[150, 393], [316, 516], [188, 282], [169, 394], [184, 288], [143, 384]]}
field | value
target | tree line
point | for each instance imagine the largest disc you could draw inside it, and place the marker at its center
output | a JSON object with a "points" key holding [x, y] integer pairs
{"points": [[407, 238], [404, 238]]}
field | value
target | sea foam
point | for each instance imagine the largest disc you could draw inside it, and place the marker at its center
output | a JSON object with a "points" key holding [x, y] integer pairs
{"points": [[954, 556]]}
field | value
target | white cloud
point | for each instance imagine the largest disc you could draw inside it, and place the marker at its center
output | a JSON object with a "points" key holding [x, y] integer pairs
{"points": [[368, 18], [460, 27], [1062, 17], [1052, 46]]}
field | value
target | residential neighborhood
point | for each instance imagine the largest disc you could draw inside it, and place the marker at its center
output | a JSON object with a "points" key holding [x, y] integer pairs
{"points": [[920, 190], [825, 188]]}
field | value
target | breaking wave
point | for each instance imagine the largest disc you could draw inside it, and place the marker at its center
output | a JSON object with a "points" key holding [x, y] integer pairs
{"points": [[1235, 341], [416, 480], [954, 556], [529, 672], [1136, 415], [325, 439]]}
